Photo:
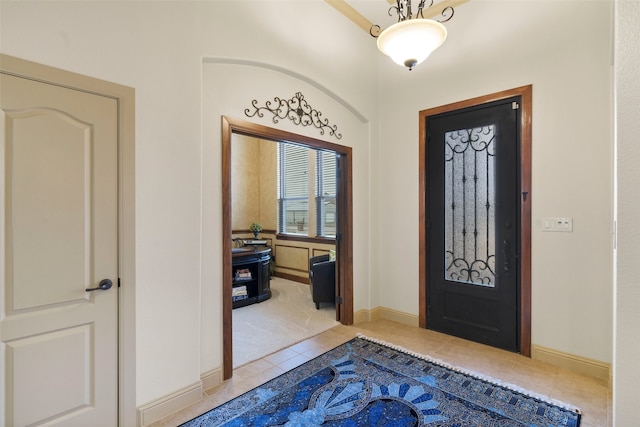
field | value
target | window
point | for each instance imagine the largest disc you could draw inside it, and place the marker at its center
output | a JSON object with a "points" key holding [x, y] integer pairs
{"points": [[326, 193], [293, 189], [304, 173]]}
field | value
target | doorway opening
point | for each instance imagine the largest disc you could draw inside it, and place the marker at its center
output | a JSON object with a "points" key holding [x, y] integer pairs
{"points": [[343, 238], [460, 304]]}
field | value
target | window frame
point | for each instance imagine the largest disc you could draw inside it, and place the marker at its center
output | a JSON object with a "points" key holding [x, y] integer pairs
{"points": [[316, 180]]}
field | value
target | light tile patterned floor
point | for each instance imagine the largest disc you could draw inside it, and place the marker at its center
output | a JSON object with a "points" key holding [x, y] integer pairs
{"points": [[591, 395]]}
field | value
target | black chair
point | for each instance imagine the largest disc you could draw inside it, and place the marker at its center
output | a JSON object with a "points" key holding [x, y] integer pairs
{"points": [[322, 278]]}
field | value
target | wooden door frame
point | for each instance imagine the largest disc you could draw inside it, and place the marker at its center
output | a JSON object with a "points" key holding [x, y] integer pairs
{"points": [[344, 245], [125, 97], [524, 311]]}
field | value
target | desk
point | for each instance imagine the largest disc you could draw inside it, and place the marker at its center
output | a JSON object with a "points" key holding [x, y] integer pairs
{"points": [[251, 279]]}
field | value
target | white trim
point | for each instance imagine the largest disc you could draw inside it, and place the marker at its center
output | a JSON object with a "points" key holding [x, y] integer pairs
{"points": [[376, 313], [169, 404], [211, 379], [582, 365], [163, 407]]}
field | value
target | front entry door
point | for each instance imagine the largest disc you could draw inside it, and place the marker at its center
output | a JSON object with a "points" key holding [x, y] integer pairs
{"points": [[473, 223], [58, 216]]}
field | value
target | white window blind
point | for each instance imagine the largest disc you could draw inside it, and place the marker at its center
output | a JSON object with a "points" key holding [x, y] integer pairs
{"points": [[294, 181], [326, 184], [293, 189]]}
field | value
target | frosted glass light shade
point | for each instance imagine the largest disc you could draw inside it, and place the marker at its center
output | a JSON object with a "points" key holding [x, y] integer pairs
{"points": [[411, 41]]}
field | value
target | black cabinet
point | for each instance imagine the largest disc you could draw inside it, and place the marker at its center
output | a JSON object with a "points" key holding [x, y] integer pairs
{"points": [[250, 275]]}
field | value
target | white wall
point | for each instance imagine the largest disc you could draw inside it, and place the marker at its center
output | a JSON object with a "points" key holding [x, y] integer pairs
{"points": [[627, 297], [568, 63], [158, 47]]}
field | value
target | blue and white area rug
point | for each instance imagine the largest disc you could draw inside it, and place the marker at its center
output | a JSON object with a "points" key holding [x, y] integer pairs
{"points": [[365, 382]]}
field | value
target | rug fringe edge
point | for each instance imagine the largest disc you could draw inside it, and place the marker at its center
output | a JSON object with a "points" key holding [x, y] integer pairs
{"points": [[477, 375]]}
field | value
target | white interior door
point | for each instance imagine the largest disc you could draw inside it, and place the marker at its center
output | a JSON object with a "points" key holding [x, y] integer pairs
{"points": [[58, 216]]}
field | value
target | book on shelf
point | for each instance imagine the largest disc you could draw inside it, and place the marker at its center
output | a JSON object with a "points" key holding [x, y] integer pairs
{"points": [[243, 273], [239, 290], [255, 242], [239, 293]]}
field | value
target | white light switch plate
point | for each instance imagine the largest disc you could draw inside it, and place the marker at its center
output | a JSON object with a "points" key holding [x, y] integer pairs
{"points": [[557, 224]]}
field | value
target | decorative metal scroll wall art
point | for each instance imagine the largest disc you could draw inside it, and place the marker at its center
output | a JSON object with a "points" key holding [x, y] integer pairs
{"points": [[470, 206], [295, 109]]}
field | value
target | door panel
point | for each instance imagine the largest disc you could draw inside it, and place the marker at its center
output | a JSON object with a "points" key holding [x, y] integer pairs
{"points": [[473, 223], [59, 217], [57, 357], [41, 197]]}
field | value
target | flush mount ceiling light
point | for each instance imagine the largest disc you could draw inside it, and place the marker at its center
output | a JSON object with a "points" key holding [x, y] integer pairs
{"points": [[412, 39]]}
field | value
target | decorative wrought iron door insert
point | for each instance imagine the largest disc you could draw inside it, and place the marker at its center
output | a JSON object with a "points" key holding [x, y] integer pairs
{"points": [[470, 206]]}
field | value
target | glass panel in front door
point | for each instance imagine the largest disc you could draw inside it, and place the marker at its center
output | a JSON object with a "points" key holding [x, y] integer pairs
{"points": [[469, 209]]}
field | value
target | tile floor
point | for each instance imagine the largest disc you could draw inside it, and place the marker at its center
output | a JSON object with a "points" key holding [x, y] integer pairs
{"points": [[591, 395]]}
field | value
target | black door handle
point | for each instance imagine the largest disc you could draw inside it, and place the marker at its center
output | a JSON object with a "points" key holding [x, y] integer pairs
{"points": [[104, 285]]}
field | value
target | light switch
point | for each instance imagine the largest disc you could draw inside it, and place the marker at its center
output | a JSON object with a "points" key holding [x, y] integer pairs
{"points": [[557, 224], [566, 224], [548, 223]]}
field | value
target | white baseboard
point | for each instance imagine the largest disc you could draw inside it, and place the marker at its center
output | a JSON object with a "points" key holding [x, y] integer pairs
{"points": [[582, 365], [174, 402], [167, 405], [211, 379], [385, 313]]}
